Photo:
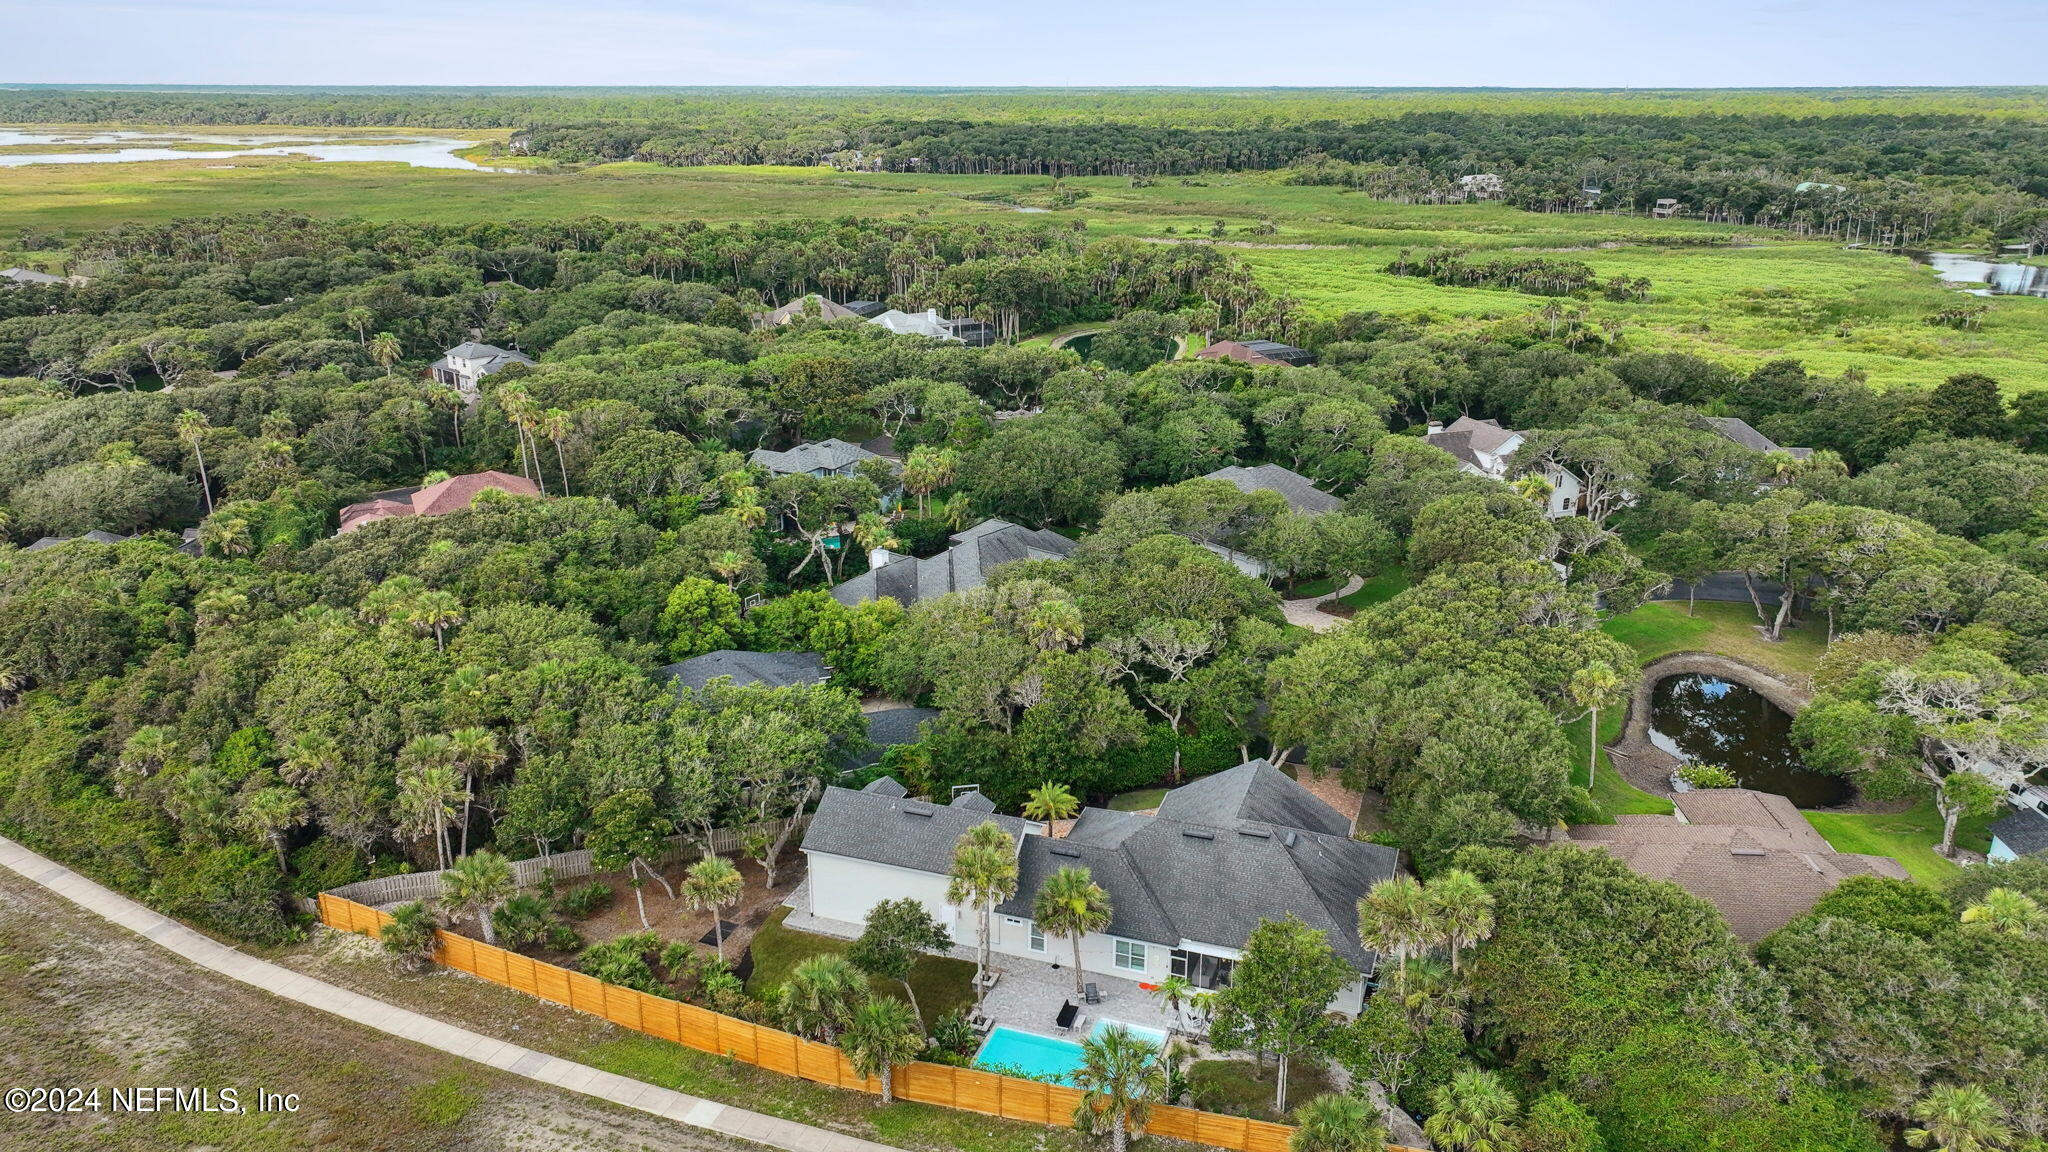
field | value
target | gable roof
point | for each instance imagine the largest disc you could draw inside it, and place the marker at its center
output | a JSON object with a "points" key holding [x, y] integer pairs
{"points": [[1473, 441], [491, 356], [798, 309], [772, 669], [1301, 493], [93, 537], [884, 829], [29, 276], [829, 455], [439, 499], [2025, 831], [1222, 854], [889, 727], [966, 564], [1750, 854]]}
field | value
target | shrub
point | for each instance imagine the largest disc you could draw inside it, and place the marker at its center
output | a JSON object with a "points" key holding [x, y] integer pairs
{"points": [[325, 864], [1708, 776], [624, 962], [524, 920], [409, 938], [585, 900], [952, 1034]]}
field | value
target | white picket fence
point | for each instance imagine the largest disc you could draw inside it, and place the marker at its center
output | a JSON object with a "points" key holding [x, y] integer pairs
{"points": [[402, 889]]}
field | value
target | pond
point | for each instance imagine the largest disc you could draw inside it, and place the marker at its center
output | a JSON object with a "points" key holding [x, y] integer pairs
{"points": [[20, 146], [1709, 720], [1999, 277]]}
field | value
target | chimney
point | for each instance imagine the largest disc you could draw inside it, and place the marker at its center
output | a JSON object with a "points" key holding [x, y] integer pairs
{"points": [[878, 557], [1435, 426]]}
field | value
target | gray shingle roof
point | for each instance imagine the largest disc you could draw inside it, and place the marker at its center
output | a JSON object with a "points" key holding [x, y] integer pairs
{"points": [[1738, 431], [818, 456], [893, 830], [2024, 831], [964, 565], [773, 669], [1301, 493], [886, 786], [93, 537], [1254, 791], [29, 276]]}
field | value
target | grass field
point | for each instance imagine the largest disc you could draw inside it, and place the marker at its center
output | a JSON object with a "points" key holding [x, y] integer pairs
{"points": [[1751, 296], [1908, 837]]}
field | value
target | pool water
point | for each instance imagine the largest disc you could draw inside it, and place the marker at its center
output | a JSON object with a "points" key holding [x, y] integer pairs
{"points": [[1046, 1056]]}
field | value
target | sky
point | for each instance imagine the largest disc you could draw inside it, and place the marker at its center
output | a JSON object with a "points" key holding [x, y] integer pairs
{"points": [[1208, 43]]}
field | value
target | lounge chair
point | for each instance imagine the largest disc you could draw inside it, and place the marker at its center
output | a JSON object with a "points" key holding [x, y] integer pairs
{"points": [[1092, 994], [1065, 1019]]}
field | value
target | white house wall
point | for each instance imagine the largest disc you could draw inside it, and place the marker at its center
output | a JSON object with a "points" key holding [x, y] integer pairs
{"points": [[846, 889]]}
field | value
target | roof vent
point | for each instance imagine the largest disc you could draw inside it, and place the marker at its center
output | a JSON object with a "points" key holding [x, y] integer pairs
{"points": [[925, 810], [1198, 834], [1064, 850], [1255, 833], [1746, 852], [1289, 839]]}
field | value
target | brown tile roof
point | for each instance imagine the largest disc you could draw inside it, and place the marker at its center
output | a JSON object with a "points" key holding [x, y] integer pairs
{"points": [[450, 495], [1750, 854]]}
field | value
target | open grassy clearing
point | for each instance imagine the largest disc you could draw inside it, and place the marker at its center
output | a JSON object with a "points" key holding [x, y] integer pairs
{"points": [[1748, 295], [941, 984], [1908, 837]]}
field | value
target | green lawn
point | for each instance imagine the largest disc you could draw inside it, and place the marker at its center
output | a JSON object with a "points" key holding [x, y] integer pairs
{"points": [[1377, 589], [942, 984], [1319, 587], [1908, 837], [1242, 1088], [1142, 800]]}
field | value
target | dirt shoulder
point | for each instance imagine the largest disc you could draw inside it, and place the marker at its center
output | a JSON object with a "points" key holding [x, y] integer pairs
{"points": [[84, 1003]]}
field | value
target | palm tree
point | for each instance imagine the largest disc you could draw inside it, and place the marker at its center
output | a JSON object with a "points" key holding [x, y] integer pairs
{"points": [[821, 994], [881, 1035], [554, 424], [1055, 625], [2008, 911], [1174, 991], [429, 791], [728, 565], [750, 513], [1051, 801], [435, 612], [1461, 909], [1959, 1118], [225, 536], [148, 749], [409, 937], [477, 884], [1475, 1112], [1394, 919], [928, 469], [12, 684], [360, 319], [984, 874], [1337, 1122], [476, 752], [711, 884], [1533, 488], [1121, 1077], [270, 813], [192, 428], [1590, 687], [385, 351], [1071, 904]]}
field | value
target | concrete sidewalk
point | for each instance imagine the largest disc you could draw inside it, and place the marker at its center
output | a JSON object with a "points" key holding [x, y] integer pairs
{"points": [[209, 953]]}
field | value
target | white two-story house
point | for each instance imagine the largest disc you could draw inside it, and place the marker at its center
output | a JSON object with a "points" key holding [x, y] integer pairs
{"points": [[1186, 885], [1484, 448], [464, 366]]}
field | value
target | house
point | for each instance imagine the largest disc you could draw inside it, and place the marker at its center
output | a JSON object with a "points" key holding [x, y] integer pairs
{"points": [[1750, 854], [1483, 448], [1665, 209], [464, 366], [966, 564], [925, 323], [1482, 186], [1300, 493], [889, 728], [30, 276], [747, 669], [1187, 884], [865, 309], [451, 495], [1257, 352], [813, 306], [93, 537], [819, 458], [2024, 830], [971, 332], [1737, 431]]}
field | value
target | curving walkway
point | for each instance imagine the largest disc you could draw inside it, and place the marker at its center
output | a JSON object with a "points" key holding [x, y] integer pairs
{"points": [[1308, 611], [209, 953]]}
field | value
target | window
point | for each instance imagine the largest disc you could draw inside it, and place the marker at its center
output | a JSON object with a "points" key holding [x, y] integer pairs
{"points": [[1130, 955], [1037, 939]]}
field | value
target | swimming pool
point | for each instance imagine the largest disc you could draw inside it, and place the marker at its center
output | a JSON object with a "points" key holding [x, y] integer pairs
{"points": [[1046, 1056]]}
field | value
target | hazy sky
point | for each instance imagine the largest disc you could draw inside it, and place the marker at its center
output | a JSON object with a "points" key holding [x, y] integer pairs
{"points": [[1532, 43]]}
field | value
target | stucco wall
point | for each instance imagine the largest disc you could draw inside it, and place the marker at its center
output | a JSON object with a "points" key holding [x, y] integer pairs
{"points": [[843, 888]]}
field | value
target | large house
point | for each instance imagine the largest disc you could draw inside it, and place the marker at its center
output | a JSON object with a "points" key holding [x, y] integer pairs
{"points": [[1258, 352], [29, 276], [1299, 491], [1187, 884], [1750, 854], [819, 458], [966, 564], [451, 495], [464, 366], [1738, 431], [813, 306], [1484, 448]]}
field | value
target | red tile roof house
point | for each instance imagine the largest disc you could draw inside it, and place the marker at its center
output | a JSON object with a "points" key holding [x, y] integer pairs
{"points": [[451, 495]]}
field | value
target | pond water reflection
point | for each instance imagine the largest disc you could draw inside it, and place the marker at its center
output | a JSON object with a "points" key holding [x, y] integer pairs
{"points": [[1999, 277], [1702, 718], [126, 145]]}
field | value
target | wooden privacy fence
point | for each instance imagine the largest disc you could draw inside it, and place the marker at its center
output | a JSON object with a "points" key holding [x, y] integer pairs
{"points": [[565, 865], [968, 1089]]}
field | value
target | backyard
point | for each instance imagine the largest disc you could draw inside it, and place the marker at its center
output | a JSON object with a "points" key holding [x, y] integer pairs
{"points": [[941, 984]]}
